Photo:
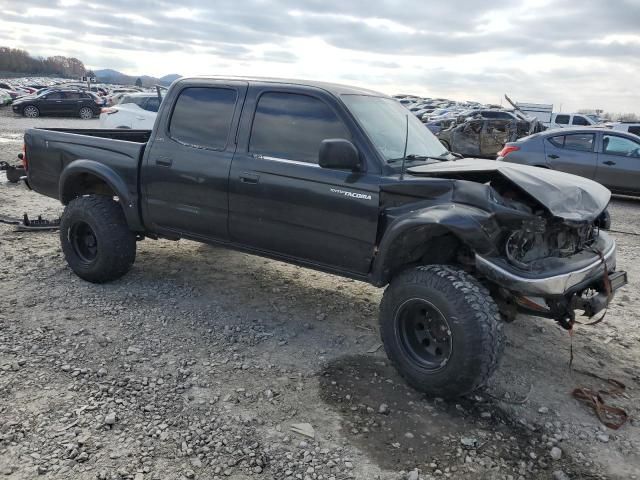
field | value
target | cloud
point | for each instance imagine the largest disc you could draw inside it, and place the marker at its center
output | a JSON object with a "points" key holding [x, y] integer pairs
{"points": [[466, 47]]}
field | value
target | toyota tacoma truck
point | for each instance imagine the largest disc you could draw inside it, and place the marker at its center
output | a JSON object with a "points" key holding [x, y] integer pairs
{"points": [[347, 181]]}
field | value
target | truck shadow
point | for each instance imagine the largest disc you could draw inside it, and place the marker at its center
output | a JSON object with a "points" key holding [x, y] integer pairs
{"points": [[400, 429]]}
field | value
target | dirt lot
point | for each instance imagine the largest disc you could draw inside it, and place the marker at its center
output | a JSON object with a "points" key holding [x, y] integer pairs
{"points": [[198, 362]]}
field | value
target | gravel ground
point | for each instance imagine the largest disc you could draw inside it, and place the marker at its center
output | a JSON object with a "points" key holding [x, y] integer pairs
{"points": [[202, 363]]}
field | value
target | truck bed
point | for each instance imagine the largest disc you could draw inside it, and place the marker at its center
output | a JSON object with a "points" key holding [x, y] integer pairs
{"points": [[50, 150]]}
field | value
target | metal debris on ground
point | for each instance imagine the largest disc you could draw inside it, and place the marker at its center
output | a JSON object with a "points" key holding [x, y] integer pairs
{"points": [[29, 225], [610, 416]]}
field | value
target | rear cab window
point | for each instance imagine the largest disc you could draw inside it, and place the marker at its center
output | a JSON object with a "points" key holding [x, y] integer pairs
{"points": [[202, 117], [579, 120], [291, 126]]}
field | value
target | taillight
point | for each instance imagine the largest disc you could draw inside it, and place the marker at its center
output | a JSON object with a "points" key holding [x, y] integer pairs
{"points": [[25, 163], [507, 150], [108, 110]]}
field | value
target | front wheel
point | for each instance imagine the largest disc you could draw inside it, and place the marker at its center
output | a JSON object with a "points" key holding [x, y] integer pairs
{"points": [[31, 111], [96, 240], [441, 329]]}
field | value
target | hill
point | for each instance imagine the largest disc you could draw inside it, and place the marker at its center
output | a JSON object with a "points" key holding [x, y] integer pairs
{"points": [[108, 75]]}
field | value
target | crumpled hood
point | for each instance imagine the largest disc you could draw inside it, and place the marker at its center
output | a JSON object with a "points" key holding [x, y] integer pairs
{"points": [[566, 196]]}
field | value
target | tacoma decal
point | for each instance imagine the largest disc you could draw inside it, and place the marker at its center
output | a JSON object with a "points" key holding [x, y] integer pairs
{"points": [[351, 194]]}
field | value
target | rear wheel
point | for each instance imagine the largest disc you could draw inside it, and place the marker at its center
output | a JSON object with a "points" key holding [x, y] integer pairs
{"points": [[96, 240], [441, 329], [85, 113], [31, 111]]}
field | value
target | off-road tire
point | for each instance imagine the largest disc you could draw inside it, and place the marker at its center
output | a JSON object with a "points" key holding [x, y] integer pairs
{"points": [[115, 243], [473, 319], [14, 174]]}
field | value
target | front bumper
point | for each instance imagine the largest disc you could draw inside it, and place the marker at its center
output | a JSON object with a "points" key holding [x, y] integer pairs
{"points": [[553, 277]]}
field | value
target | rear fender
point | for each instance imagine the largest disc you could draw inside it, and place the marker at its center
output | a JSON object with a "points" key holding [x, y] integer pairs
{"points": [[70, 187], [470, 226]]}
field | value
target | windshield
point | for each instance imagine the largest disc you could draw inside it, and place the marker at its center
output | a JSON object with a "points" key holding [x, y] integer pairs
{"points": [[385, 122]]}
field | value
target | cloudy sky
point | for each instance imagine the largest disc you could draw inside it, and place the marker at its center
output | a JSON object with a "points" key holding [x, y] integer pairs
{"points": [[572, 53]]}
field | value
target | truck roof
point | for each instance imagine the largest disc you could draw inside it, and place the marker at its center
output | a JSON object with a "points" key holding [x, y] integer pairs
{"points": [[335, 88]]}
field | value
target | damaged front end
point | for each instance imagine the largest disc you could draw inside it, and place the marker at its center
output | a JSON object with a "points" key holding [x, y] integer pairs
{"points": [[551, 258]]}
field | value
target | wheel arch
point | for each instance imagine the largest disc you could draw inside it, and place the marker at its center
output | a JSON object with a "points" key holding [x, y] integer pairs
{"points": [[85, 177], [432, 235]]}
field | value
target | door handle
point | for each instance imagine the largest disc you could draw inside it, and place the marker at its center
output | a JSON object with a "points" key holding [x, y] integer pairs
{"points": [[552, 156], [164, 162], [609, 162], [249, 178]]}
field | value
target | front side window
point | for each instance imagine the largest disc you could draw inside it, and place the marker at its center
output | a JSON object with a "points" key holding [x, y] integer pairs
{"points": [[635, 130], [292, 126], [578, 120], [202, 117], [562, 119], [55, 96], [614, 145], [385, 122], [579, 141]]}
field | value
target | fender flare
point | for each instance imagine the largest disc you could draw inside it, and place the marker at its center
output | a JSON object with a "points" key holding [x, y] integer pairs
{"points": [[472, 226], [110, 177]]}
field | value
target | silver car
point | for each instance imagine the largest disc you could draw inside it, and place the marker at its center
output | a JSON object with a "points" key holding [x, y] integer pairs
{"points": [[609, 157]]}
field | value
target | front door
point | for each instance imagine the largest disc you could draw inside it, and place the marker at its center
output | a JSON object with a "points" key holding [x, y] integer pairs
{"points": [[619, 163], [186, 171], [282, 201]]}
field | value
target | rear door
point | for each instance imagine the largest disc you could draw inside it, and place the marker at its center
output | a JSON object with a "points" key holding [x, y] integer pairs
{"points": [[494, 135], [619, 163], [72, 103], [186, 170], [282, 201], [572, 153]]}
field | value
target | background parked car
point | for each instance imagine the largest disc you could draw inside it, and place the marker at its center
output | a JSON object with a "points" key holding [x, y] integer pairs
{"points": [[482, 137], [560, 120], [606, 156], [631, 127], [5, 98], [135, 110], [58, 102]]}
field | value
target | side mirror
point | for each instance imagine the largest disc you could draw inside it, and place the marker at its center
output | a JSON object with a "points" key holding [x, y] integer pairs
{"points": [[339, 154]]}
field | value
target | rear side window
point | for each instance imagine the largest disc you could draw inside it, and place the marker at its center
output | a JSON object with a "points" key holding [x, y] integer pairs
{"points": [[579, 141], [56, 96], [578, 120], [202, 117], [557, 141], [73, 95], [292, 126], [562, 119], [152, 104]]}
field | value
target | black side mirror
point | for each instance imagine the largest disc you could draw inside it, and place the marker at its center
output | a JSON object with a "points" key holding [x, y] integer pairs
{"points": [[339, 154]]}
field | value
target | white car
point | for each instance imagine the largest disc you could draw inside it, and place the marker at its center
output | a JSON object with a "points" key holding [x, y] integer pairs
{"points": [[630, 127], [137, 111]]}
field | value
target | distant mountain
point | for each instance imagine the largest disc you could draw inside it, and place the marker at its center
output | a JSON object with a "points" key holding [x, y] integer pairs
{"points": [[172, 77], [108, 75]]}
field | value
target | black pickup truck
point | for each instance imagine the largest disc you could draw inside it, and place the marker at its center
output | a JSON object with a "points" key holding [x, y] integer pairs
{"points": [[347, 181]]}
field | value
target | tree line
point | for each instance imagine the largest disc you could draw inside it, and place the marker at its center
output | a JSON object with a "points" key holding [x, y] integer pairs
{"points": [[16, 60]]}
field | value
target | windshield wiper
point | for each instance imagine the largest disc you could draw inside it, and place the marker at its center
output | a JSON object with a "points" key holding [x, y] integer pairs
{"points": [[413, 156]]}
